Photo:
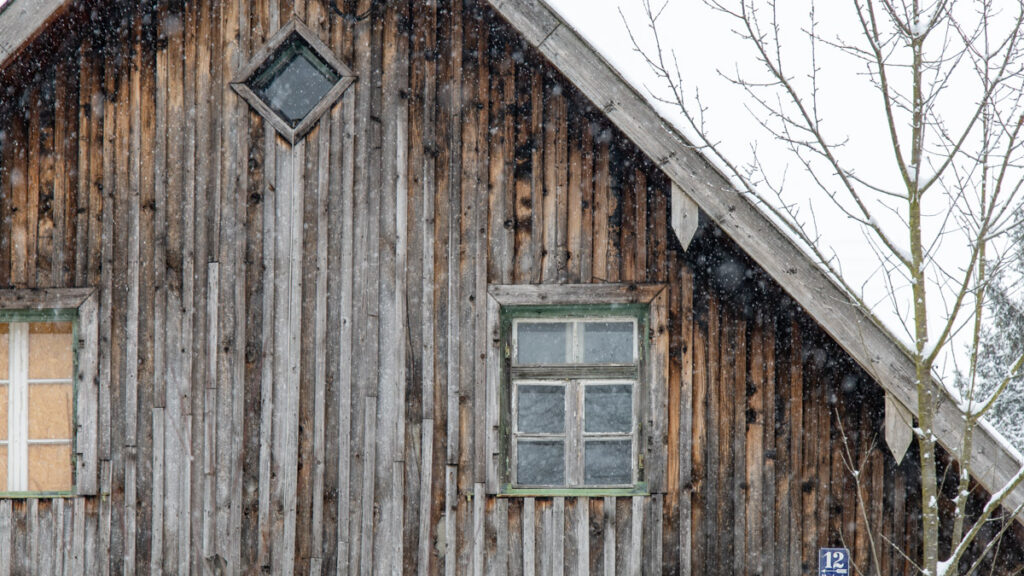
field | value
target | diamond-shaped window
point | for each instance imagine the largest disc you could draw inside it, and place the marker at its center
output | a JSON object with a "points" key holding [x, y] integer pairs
{"points": [[293, 80]]}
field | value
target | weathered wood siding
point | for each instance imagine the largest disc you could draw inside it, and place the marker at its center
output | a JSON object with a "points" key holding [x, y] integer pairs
{"points": [[292, 338]]}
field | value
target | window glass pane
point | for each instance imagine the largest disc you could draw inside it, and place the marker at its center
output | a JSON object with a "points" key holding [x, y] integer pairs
{"points": [[541, 409], [49, 411], [608, 408], [295, 82], [541, 463], [5, 342], [608, 342], [49, 467], [543, 343], [608, 462], [49, 350]]}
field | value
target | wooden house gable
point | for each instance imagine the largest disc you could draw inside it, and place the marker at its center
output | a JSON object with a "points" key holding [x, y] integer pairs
{"points": [[299, 338]]}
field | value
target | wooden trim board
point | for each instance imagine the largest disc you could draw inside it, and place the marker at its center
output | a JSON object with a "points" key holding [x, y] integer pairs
{"points": [[23, 20]]}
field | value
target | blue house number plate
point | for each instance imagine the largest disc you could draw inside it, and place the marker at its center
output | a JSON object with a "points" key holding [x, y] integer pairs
{"points": [[833, 562]]}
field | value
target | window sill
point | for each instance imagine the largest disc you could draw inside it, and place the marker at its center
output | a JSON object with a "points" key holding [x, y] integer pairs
{"points": [[27, 495], [507, 491]]}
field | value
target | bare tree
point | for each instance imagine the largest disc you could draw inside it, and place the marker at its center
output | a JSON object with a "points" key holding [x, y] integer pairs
{"points": [[967, 167]]}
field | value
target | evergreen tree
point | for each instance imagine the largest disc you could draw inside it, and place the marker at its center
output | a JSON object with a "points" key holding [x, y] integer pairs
{"points": [[1001, 341]]}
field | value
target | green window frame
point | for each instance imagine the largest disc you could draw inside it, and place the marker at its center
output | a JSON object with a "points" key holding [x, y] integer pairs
{"points": [[80, 307]]}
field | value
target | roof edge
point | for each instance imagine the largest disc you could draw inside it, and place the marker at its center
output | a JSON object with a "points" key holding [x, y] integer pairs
{"points": [[873, 347], [21, 21]]}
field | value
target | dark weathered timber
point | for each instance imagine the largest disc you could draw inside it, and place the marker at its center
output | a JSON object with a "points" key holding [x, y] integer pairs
{"points": [[291, 373]]}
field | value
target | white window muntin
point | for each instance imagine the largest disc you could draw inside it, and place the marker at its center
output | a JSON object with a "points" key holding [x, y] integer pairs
{"points": [[575, 344]]}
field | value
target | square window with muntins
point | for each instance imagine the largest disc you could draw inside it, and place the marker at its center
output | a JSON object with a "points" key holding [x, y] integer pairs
{"points": [[293, 80], [573, 374], [577, 390]]}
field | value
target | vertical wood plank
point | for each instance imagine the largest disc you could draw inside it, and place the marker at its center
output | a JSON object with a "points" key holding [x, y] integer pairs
{"points": [[686, 410], [529, 537], [610, 539], [6, 525]]}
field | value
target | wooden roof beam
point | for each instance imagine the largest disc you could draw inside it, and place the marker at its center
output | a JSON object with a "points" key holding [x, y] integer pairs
{"points": [[22, 20]]}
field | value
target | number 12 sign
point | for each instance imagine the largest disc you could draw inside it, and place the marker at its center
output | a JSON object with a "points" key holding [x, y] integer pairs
{"points": [[833, 562]]}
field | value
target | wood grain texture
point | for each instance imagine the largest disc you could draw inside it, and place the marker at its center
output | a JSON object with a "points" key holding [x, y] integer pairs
{"points": [[285, 361]]}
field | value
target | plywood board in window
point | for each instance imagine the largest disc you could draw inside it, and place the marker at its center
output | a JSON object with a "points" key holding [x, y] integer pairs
{"points": [[5, 338], [3, 466], [49, 350], [49, 467], [49, 411], [3, 414]]}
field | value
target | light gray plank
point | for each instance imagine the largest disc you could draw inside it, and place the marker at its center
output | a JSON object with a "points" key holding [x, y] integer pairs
{"points": [[320, 340], [57, 545], [547, 545], [78, 546], [557, 536], [210, 416], [529, 537], [493, 379], [156, 558], [426, 471], [609, 536], [345, 120], [87, 398], [267, 377], [497, 565], [34, 529], [5, 537], [636, 545], [130, 512], [583, 536], [656, 466], [369, 457], [451, 501], [479, 500]]}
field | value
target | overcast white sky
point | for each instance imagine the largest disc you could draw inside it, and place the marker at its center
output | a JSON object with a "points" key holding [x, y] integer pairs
{"points": [[706, 48]]}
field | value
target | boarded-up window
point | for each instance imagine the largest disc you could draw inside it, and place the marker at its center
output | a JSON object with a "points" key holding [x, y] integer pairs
{"points": [[37, 405]]}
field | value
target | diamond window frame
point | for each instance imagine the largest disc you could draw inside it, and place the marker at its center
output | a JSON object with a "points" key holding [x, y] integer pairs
{"points": [[263, 58]]}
